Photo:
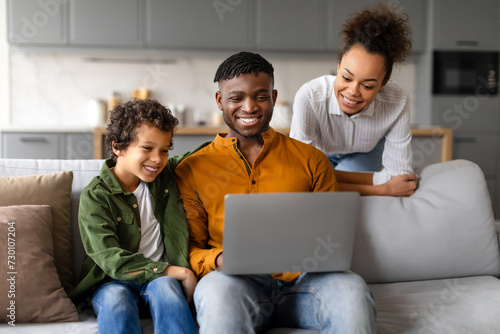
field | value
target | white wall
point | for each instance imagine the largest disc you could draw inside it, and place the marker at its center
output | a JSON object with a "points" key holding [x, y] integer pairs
{"points": [[4, 68], [50, 90]]}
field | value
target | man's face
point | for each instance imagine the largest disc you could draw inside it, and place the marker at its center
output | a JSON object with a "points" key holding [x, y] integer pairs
{"points": [[247, 103]]}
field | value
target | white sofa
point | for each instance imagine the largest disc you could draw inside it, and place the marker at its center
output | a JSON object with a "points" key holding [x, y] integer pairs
{"points": [[431, 260]]}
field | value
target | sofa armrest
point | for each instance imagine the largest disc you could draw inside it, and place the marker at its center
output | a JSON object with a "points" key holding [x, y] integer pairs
{"points": [[497, 224], [446, 229]]}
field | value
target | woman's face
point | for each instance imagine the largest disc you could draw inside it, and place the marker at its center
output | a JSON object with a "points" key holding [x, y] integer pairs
{"points": [[360, 77]]}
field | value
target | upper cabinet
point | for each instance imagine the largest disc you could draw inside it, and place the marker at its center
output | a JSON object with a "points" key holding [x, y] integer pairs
{"points": [[198, 24], [104, 23], [34, 22], [270, 25], [417, 13], [281, 25], [467, 24], [338, 12]]}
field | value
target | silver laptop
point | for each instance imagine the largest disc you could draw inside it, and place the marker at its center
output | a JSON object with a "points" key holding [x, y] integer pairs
{"points": [[289, 232]]}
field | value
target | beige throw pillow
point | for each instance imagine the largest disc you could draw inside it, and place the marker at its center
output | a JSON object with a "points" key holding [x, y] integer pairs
{"points": [[30, 290], [52, 189]]}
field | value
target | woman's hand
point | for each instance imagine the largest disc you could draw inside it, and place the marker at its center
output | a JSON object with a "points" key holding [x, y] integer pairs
{"points": [[402, 185], [186, 277], [398, 186]]}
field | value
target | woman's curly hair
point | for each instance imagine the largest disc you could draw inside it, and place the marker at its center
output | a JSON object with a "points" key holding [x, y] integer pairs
{"points": [[126, 118], [379, 30]]}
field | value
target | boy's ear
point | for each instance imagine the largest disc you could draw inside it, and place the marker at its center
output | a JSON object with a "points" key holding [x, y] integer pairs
{"points": [[115, 150]]}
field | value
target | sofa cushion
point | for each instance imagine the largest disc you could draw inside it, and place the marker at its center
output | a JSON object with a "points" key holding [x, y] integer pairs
{"points": [[83, 172], [454, 305], [30, 290], [446, 229], [52, 189]]}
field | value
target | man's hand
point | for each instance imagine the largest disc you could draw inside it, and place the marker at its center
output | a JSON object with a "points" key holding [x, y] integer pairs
{"points": [[185, 276], [218, 262], [402, 185]]}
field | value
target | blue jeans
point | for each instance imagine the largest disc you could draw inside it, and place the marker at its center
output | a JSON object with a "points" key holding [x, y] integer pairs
{"points": [[117, 305], [328, 302], [359, 162]]}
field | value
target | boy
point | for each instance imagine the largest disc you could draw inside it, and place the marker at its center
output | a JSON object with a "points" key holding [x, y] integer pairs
{"points": [[133, 227]]}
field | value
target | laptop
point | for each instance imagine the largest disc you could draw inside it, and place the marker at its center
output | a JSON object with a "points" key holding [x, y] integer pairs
{"points": [[289, 232]]}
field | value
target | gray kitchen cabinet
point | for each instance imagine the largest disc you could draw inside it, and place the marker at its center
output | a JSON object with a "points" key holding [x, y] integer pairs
{"points": [[78, 146], [480, 149], [31, 145], [274, 25], [496, 197], [187, 143], [198, 24], [337, 12], [467, 24], [284, 26], [417, 13], [476, 134], [36, 22], [108, 23], [41, 145], [465, 113]]}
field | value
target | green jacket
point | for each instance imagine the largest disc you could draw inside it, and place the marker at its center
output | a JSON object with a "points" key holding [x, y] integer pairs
{"points": [[110, 229]]}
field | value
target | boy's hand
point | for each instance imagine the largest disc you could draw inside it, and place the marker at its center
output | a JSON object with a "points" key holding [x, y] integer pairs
{"points": [[185, 276]]}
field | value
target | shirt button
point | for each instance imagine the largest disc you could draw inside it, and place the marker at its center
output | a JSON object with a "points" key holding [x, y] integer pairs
{"points": [[119, 219], [166, 191], [135, 206], [253, 182], [155, 269]]}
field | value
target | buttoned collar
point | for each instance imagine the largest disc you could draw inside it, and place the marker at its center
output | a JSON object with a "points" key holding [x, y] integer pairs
{"points": [[110, 179], [222, 139]]}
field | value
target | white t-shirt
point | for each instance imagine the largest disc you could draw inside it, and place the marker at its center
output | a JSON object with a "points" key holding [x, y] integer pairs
{"points": [[151, 244], [318, 120]]}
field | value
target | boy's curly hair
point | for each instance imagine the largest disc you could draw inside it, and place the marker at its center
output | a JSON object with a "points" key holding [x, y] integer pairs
{"points": [[379, 30], [124, 120]]}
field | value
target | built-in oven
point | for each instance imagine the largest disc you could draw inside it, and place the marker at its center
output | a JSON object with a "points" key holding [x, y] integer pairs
{"points": [[465, 72]]}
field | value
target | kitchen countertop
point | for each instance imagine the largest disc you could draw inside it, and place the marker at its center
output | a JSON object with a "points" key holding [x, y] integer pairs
{"points": [[47, 130], [445, 133]]}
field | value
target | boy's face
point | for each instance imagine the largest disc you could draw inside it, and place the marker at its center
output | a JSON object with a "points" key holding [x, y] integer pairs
{"points": [[143, 159], [247, 103]]}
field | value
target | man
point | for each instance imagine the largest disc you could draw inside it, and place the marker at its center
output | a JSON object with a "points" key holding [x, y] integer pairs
{"points": [[253, 158]]}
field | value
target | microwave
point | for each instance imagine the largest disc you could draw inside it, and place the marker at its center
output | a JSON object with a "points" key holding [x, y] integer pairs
{"points": [[465, 72]]}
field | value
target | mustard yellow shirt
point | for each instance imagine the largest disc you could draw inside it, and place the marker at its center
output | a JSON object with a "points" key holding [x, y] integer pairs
{"points": [[205, 177]]}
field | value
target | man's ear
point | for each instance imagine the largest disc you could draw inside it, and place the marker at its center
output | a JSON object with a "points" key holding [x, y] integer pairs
{"points": [[275, 96], [218, 99]]}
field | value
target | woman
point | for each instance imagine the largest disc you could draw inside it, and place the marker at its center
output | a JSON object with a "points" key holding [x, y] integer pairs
{"points": [[359, 118]]}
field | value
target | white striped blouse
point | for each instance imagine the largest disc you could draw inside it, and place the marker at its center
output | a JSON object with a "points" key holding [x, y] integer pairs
{"points": [[318, 120]]}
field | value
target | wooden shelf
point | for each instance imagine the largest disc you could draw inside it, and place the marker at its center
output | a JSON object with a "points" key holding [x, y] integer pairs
{"points": [[445, 133]]}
